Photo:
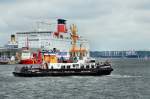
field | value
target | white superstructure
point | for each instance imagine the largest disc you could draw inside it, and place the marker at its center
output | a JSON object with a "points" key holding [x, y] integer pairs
{"points": [[47, 40]]}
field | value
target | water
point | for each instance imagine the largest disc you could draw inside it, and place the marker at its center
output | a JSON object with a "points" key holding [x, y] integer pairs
{"points": [[129, 80]]}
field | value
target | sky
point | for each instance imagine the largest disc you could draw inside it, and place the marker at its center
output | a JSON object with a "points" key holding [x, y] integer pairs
{"points": [[107, 24]]}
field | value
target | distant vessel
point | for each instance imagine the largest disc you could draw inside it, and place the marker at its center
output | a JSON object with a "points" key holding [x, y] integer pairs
{"points": [[4, 60], [63, 54]]}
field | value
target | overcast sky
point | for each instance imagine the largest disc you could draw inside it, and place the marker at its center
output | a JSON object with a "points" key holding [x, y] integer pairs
{"points": [[107, 24]]}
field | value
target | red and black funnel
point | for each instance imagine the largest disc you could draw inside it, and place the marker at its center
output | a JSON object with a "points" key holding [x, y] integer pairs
{"points": [[61, 27]]}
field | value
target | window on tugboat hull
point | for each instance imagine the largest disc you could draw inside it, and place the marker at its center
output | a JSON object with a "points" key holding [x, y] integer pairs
{"points": [[92, 66], [92, 61], [87, 66], [62, 67], [75, 65], [82, 67], [68, 66]]}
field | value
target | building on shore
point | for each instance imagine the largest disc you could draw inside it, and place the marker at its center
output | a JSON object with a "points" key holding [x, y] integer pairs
{"points": [[120, 54]]}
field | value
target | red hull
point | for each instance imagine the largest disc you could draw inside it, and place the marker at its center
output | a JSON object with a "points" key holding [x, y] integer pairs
{"points": [[34, 60], [28, 61]]}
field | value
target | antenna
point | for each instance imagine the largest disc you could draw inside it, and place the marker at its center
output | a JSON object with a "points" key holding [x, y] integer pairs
{"points": [[43, 25]]}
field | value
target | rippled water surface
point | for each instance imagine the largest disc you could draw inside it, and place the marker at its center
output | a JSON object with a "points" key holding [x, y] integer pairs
{"points": [[129, 80]]}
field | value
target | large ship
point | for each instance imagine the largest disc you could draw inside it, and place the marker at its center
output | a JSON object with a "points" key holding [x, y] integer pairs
{"points": [[61, 39], [63, 53]]}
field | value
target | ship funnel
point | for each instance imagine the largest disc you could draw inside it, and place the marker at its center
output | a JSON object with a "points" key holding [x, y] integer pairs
{"points": [[61, 26], [13, 39]]}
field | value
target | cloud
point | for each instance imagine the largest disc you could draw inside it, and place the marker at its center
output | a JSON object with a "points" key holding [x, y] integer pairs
{"points": [[107, 24]]}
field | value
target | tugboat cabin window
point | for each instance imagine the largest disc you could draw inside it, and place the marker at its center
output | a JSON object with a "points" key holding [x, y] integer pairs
{"points": [[82, 67], [77, 65], [92, 61], [87, 66], [68, 66], [74, 65], [62, 67], [97, 67], [92, 66]]}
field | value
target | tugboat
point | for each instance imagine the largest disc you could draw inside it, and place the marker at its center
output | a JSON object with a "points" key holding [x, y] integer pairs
{"points": [[90, 68], [4, 60], [59, 61]]}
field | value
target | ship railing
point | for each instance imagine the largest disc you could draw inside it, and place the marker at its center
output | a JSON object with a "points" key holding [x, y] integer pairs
{"points": [[23, 68]]}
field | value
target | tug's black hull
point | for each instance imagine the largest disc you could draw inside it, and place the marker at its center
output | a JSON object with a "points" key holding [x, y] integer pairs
{"points": [[66, 72]]}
